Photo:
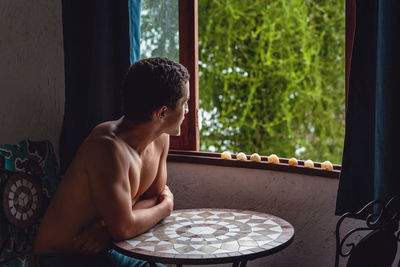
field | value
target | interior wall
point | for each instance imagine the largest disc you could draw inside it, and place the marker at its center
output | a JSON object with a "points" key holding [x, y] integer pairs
{"points": [[307, 202], [31, 71]]}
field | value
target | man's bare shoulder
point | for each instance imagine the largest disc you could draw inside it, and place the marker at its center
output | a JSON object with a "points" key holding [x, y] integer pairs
{"points": [[103, 144], [162, 142], [105, 150], [103, 139]]}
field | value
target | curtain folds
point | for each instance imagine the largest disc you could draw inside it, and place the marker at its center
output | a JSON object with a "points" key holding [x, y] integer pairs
{"points": [[134, 29], [372, 142], [98, 44]]}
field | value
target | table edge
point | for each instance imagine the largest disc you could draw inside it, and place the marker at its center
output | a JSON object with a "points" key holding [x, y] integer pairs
{"points": [[216, 260]]}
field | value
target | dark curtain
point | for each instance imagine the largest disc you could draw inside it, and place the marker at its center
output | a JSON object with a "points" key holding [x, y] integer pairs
{"points": [[372, 142], [101, 38]]}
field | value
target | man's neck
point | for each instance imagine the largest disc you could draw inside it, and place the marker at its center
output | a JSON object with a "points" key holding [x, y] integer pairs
{"points": [[137, 136]]}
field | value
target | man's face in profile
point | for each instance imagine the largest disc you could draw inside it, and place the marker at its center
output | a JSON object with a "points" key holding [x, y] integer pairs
{"points": [[176, 117]]}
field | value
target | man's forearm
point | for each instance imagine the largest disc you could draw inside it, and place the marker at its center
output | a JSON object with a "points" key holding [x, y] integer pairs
{"points": [[146, 203], [143, 220]]}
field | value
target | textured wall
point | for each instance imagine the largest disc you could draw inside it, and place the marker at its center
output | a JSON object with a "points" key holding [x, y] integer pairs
{"points": [[306, 202], [31, 70]]}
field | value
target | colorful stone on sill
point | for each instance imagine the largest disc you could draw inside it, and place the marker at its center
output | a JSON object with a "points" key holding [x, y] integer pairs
{"points": [[327, 165], [255, 157], [273, 159], [241, 156], [309, 164], [293, 162], [226, 155]]}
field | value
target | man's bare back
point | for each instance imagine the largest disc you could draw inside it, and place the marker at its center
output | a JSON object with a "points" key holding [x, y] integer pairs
{"points": [[107, 188], [115, 188]]}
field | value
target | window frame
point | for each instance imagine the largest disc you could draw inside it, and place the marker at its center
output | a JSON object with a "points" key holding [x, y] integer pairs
{"points": [[188, 56], [185, 148]]}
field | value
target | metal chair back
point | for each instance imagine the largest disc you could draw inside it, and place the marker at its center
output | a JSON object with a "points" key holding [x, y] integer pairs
{"points": [[378, 247]]}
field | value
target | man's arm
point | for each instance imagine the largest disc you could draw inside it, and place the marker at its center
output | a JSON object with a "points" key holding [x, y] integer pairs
{"points": [[95, 238], [161, 177], [151, 197], [108, 171], [145, 203]]}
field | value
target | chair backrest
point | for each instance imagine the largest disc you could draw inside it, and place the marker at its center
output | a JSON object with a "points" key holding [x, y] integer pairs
{"points": [[28, 180], [378, 247]]}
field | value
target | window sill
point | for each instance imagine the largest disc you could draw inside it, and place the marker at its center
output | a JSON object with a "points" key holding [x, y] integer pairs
{"points": [[210, 158]]}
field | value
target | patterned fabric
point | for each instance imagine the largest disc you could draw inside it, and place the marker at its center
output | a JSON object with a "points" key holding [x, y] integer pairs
{"points": [[35, 158]]}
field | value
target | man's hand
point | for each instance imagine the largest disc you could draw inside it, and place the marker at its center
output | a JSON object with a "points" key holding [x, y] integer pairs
{"points": [[93, 239], [167, 197]]}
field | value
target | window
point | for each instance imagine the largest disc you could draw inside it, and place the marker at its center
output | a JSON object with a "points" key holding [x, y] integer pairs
{"points": [[159, 29], [188, 30], [180, 16]]}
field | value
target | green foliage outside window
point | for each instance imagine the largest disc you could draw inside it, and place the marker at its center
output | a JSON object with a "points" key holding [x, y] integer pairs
{"points": [[159, 29], [272, 77]]}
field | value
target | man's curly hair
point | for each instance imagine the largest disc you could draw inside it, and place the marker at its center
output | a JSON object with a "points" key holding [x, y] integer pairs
{"points": [[149, 84]]}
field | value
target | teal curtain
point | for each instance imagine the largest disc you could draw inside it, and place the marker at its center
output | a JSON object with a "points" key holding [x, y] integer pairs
{"points": [[372, 143], [101, 40], [134, 29]]}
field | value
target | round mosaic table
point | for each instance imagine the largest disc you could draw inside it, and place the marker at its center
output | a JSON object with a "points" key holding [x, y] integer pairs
{"points": [[210, 236]]}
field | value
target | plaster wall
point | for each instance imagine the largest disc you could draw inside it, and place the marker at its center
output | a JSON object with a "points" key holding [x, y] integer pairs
{"points": [[307, 202], [31, 71]]}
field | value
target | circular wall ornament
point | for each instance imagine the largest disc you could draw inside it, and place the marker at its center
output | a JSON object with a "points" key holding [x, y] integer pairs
{"points": [[22, 199]]}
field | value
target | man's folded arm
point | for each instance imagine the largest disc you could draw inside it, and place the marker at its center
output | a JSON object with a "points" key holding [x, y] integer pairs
{"points": [[150, 198], [158, 185], [108, 171], [145, 203]]}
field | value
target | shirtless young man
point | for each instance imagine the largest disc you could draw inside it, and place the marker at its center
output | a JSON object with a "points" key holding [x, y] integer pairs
{"points": [[115, 188]]}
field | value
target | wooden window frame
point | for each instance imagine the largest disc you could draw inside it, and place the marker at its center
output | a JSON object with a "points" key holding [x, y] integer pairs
{"points": [[350, 26], [185, 148], [189, 56]]}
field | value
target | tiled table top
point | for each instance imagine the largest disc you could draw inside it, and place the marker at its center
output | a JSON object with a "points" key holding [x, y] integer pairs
{"points": [[210, 236]]}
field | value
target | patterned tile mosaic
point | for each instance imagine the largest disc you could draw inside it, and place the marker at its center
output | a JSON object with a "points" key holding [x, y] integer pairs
{"points": [[208, 232]]}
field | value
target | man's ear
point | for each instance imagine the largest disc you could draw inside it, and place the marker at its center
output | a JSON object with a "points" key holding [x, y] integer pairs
{"points": [[160, 113]]}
